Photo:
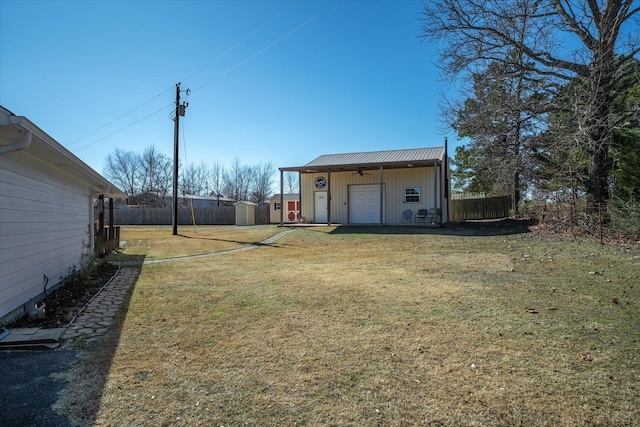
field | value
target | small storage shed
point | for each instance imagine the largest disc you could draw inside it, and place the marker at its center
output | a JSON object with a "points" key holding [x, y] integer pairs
{"points": [[47, 198], [245, 213], [285, 209]]}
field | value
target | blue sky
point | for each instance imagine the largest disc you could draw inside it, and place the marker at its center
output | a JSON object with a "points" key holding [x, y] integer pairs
{"points": [[271, 81]]}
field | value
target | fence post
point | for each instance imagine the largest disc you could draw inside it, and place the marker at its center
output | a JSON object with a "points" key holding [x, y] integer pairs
{"points": [[571, 218], [600, 220]]}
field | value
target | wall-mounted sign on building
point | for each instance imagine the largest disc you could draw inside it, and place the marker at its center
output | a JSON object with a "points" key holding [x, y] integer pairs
{"points": [[321, 182]]}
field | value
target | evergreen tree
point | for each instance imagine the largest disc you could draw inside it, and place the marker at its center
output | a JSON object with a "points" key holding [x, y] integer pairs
{"points": [[502, 118]]}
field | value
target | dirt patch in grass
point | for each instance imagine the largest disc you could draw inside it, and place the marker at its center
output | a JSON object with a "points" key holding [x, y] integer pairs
{"points": [[388, 328]]}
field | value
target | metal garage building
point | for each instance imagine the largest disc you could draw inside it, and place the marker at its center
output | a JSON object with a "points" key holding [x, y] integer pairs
{"points": [[379, 187]]}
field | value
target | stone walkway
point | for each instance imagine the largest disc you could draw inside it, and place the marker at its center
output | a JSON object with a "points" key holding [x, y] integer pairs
{"points": [[96, 318], [91, 323]]}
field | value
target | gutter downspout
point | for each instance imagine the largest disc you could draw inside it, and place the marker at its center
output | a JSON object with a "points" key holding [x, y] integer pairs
{"points": [[92, 219], [300, 216], [24, 143]]}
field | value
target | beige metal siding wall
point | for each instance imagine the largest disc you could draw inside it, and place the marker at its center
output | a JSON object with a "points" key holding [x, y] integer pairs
{"points": [[307, 189], [399, 179], [395, 180]]}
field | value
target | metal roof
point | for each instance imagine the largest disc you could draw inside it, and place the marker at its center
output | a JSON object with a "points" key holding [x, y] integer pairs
{"points": [[371, 159], [286, 196]]}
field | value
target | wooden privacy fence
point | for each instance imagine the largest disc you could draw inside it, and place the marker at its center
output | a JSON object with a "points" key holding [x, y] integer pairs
{"points": [[484, 208], [222, 215]]}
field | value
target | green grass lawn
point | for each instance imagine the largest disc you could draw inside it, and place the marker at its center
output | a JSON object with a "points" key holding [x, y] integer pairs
{"points": [[381, 326]]}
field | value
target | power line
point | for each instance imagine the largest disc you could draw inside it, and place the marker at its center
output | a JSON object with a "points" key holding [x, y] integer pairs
{"points": [[126, 127], [118, 118], [238, 43], [244, 39], [270, 45]]}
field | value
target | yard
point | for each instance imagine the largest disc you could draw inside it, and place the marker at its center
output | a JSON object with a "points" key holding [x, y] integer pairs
{"points": [[372, 326]]}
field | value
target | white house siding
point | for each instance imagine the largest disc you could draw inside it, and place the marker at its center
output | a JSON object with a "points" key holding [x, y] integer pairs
{"points": [[395, 181], [44, 227]]}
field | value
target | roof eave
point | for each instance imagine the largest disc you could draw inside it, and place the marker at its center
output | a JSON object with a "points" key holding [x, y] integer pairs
{"points": [[356, 166], [99, 184]]}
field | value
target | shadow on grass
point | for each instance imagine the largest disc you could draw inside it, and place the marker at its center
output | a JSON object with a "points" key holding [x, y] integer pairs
{"points": [[217, 240], [501, 227], [80, 401]]}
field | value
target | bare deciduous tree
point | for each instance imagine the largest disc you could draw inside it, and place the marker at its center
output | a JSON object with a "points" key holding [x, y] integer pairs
{"points": [[147, 178], [262, 182], [155, 176], [122, 168], [560, 40], [216, 181], [237, 181], [194, 180], [290, 182]]}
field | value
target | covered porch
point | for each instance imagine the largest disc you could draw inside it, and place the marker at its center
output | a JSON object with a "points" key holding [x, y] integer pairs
{"points": [[106, 238]]}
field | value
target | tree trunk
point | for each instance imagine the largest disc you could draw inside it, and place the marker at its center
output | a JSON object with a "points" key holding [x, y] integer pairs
{"points": [[598, 172], [516, 194], [599, 129]]}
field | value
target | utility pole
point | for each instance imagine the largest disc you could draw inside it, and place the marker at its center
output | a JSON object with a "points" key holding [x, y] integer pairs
{"points": [[180, 111]]}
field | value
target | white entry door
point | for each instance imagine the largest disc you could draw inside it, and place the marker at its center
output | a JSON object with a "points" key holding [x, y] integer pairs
{"points": [[364, 204], [320, 207]]}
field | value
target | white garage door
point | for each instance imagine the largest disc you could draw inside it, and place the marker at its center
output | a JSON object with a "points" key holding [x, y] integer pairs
{"points": [[364, 204]]}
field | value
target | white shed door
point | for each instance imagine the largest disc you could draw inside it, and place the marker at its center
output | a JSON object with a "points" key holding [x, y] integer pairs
{"points": [[364, 204], [320, 209]]}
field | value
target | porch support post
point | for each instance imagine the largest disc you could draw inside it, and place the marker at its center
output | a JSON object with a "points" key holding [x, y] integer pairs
{"points": [[111, 230], [101, 212], [300, 216], [443, 180], [381, 195], [329, 196], [435, 184], [447, 181], [281, 197], [92, 227], [110, 212], [101, 230]]}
